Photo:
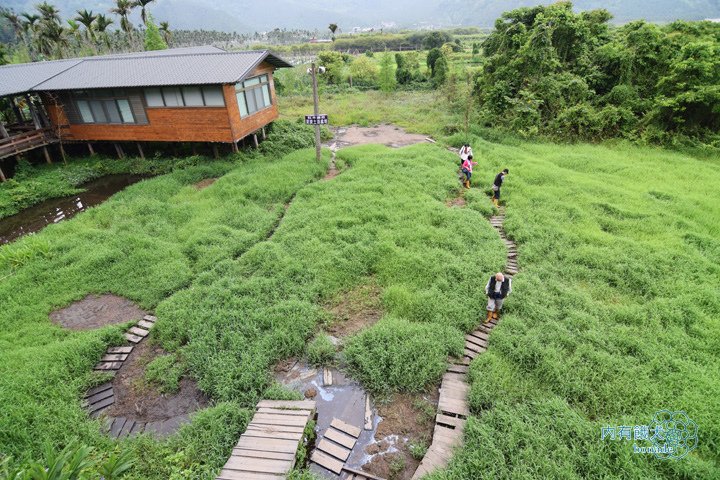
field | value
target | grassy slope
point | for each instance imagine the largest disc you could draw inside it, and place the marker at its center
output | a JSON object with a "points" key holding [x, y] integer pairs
{"points": [[616, 314], [145, 243]]}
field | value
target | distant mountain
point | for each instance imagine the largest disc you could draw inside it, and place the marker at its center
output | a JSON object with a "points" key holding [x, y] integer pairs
{"points": [[249, 16]]}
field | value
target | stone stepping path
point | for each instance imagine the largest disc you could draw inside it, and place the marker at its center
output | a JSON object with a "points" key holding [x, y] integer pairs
{"points": [[334, 448], [267, 448], [99, 398], [453, 408]]}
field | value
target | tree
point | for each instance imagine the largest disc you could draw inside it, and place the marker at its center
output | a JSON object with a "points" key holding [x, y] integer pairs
{"points": [[123, 8], [153, 39], [334, 66], [440, 72], [143, 10], [87, 18], [333, 28], [165, 30], [101, 25], [436, 40], [432, 57], [387, 73], [364, 71], [402, 73]]}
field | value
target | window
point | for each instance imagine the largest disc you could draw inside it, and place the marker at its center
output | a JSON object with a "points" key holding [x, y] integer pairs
{"points": [[191, 96], [253, 95], [93, 108]]}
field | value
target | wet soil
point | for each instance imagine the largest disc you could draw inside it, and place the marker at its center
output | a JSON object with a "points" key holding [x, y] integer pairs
{"points": [[456, 202], [384, 134], [96, 311], [137, 400], [406, 420], [37, 217], [205, 183], [355, 310]]}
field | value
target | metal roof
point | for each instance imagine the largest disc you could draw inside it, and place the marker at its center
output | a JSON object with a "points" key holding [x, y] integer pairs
{"points": [[181, 66]]}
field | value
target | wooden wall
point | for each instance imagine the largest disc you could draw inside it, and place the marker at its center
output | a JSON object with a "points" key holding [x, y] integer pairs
{"points": [[176, 124]]}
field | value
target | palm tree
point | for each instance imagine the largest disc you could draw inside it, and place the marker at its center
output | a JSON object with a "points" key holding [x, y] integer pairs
{"points": [[49, 12], [123, 9], [101, 24], [165, 30], [52, 38], [87, 19], [142, 4], [14, 21], [333, 28]]}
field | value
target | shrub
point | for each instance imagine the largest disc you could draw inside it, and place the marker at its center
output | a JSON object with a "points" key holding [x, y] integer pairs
{"points": [[165, 373]]}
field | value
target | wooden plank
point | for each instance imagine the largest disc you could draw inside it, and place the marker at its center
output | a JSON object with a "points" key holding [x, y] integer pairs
{"points": [[470, 353], [259, 465], [140, 332], [272, 419], [127, 428], [243, 475], [100, 396], [120, 349], [261, 434], [242, 452], [108, 366], [455, 377], [114, 357], [474, 348], [362, 473], [145, 324], [138, 428], [150, 318], [479, 335], [280, 411], [368, 413], [98, 389], [326, 461], [327, 377], [333, 449], [97, 406], [288, 404], [268, 444], [342, 438], [455, 422], [117, 426], [275, 428], [132, 338], [344, 427], [458, 369]]}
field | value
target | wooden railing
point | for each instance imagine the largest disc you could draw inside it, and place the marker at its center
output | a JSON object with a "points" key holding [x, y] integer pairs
{"points": [[25, 141]]}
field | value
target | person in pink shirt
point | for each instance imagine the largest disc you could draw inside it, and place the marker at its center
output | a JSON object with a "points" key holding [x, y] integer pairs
{"points": [[467, 167]]}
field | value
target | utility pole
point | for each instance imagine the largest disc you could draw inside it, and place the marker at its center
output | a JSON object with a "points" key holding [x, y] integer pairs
{"points": [[316, 101]]}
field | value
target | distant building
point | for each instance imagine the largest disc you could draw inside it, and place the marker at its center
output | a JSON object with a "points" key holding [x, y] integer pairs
{"points": [[320, 40], [194, 94]]}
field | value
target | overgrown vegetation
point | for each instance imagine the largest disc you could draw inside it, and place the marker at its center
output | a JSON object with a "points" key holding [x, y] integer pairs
{"points": [[571, 76]]}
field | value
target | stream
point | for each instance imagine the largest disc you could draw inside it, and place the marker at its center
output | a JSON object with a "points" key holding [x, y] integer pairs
{"points": [[37, 217]]}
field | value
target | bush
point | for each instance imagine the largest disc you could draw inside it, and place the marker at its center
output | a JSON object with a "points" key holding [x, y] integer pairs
{"points": [[321, 351], [397, 355]]}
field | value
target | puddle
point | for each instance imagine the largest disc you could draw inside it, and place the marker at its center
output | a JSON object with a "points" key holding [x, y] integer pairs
{"points": [[39, 216], [344, 399]]}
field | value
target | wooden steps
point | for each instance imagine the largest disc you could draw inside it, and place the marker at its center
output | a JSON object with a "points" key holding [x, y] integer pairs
{"points": [[267, 448], [453, 408], [115, 356], [334, 448]]}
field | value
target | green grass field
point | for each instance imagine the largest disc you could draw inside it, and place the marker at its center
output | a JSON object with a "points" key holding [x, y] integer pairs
{"points": [[615, 314]]}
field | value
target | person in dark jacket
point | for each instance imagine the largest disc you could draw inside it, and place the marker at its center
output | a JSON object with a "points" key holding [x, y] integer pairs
{"points": [[499, 179], [497, 289]]}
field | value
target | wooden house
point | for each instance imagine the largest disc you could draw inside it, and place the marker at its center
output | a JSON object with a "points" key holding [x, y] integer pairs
{"points": [[197, 94]]}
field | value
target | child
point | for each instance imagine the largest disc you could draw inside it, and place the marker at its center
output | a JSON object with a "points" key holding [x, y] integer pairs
{"points": [[467, 167]]}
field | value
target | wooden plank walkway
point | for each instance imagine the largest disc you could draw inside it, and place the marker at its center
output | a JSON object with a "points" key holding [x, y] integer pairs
{"points": [[334, 448], [101, 397], [267, 449], [453, 408]]}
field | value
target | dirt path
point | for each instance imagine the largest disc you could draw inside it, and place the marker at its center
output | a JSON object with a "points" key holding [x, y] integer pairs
{"points": [[383, 134], [96, 311]]}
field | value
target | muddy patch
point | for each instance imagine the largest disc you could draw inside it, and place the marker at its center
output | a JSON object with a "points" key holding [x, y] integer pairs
{"points": [[388, 135], [402, 436], [456, 202], [140, 401], [96, 311], [205, 183], [355, 310]]}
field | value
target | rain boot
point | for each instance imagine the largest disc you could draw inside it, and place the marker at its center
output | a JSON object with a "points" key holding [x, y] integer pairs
{"points": [[489, 316], [495, 314], [495, 202]]}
